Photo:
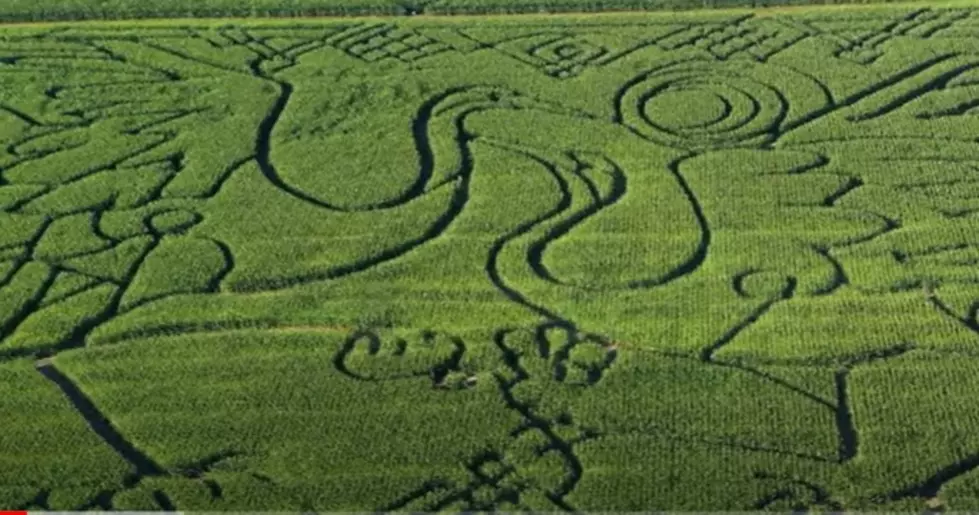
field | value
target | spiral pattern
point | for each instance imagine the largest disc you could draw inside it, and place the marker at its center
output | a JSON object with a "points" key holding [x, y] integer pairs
{"points": [[701, 105]]}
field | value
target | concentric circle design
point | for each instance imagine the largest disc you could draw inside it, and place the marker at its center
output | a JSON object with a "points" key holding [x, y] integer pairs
{"points": [[700, 105], [686, 109]]}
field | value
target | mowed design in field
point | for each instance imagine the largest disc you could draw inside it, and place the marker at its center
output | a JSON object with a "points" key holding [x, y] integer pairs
{"points": [[700, 261]]}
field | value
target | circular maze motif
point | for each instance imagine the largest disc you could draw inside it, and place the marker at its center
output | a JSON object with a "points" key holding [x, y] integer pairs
{"points": [[699, 105], [567, 56]]}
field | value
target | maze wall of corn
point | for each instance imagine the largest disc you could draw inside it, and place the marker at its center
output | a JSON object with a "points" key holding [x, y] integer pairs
{"points": [[689, 261]]}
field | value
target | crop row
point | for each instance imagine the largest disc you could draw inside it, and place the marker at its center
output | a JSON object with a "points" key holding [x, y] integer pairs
{"points": [[50, 10]]}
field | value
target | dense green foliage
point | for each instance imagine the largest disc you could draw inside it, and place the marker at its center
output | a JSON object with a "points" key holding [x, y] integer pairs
{"points": [[49, 455], [704, 261], [41, 10]]}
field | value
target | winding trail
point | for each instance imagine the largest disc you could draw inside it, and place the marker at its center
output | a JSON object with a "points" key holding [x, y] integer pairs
{"points": [[141, 463], [263, 146]]}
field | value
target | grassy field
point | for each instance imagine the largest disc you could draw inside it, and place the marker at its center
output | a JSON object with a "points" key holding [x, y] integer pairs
{"points": [[703, 261]]}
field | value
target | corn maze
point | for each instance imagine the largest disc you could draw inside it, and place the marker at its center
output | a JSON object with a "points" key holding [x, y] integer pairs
{"points": [[633, 262]]}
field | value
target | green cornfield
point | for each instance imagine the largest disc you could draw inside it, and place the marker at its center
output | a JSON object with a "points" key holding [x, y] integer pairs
{"points": [[713, 260]]}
